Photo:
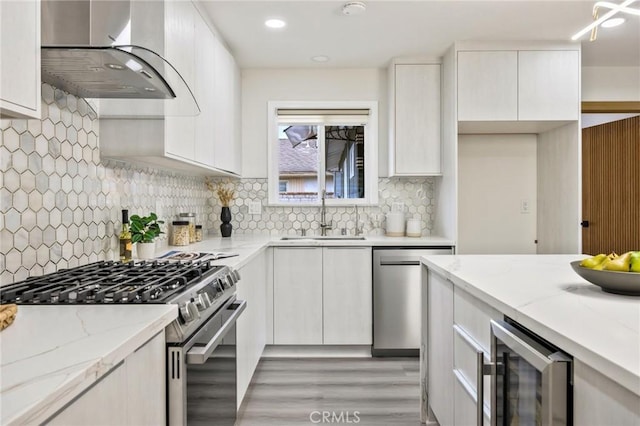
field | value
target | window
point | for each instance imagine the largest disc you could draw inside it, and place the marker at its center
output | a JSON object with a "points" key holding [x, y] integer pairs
{"points": [[323, 148]]}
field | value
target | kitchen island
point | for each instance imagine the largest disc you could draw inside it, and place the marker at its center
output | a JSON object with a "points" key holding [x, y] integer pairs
{"points": [[52, 354], [601, 331]]}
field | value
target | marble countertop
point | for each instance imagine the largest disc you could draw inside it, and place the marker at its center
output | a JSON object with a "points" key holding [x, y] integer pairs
{"points": [[51, 354], [545, 295], [247, 246]]}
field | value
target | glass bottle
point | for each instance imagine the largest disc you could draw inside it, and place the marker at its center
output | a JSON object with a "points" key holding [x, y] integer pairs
{"points": [[125, 238]]}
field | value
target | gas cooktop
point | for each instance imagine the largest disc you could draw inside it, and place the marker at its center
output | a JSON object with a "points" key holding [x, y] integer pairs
{"points": [[155, 281]]}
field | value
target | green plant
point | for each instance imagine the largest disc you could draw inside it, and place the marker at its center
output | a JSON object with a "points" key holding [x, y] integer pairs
{"points": [[145, 229]]}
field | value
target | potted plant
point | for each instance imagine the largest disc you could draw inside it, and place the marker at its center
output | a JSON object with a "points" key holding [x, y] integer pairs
{"points": [[144, 231]]}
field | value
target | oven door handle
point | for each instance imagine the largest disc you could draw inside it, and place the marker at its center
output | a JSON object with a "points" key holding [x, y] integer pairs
{"points": [[200, 354]]}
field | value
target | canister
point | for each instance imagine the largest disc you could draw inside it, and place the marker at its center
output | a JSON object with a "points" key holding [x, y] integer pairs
{"points": [[395, 224], [191, 218], [199, 233], [413, 227], [180, 233]]}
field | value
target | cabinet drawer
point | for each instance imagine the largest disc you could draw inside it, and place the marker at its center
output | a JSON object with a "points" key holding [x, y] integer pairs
{"points": [[465, 403], [474, 317], [465, 361]]}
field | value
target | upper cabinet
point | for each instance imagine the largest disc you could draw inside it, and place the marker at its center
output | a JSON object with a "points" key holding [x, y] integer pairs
{"points": [[548, 85], [20, 59], [414, 121], [532, 86], [208, 143], [487, 85]]}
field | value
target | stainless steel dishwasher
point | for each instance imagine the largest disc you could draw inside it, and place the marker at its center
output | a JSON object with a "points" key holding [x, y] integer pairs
{"points": [[396, 299]]}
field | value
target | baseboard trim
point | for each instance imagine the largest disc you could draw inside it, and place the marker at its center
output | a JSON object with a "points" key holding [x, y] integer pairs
{"points": [[317, 351]]}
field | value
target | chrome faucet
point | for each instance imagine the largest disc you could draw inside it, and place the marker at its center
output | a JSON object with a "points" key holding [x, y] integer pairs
{"points": [[323, 216], [358, 229]]}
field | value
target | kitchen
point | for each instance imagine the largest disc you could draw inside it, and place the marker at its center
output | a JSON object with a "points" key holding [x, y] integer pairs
{"points": [[67, 177]]}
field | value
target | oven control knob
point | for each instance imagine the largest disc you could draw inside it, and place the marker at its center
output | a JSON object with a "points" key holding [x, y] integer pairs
{"points": [[219, 286], [203, 302], [236, 274], [230, 281], [186, 312]]}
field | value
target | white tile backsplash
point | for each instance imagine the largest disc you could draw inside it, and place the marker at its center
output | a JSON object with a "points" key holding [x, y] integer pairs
{"points": [[60, 204]]}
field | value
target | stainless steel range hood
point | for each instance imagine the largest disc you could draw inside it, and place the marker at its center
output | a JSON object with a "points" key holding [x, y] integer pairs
{"points": [[88, 51]]}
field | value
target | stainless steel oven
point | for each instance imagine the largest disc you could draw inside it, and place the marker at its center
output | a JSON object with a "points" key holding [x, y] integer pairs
{"points": [[201, 380], [532, 379]]}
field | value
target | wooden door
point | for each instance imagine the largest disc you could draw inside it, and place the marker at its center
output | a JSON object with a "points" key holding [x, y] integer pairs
{"points": [[611, 187]]}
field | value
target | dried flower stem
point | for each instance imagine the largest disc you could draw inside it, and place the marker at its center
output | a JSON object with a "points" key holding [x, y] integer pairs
{"points": [[226, 195]]}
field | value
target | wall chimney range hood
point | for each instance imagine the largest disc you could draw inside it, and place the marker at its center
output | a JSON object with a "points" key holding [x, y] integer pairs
{"points": [[87, 51]]}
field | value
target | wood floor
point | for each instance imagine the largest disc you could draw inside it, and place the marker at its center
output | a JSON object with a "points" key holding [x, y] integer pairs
{"points": [[303, 391]]}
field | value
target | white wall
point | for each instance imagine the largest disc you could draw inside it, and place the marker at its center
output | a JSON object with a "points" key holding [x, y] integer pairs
{"points": [[610, 84], [262, 85], [496, 173], [559, 190]]}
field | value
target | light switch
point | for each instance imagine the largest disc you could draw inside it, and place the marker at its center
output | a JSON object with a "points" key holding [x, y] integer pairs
{"points": [[524, 207]]}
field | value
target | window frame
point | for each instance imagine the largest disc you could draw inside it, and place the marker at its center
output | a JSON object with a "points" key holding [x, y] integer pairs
{"points": [[370, 157]]}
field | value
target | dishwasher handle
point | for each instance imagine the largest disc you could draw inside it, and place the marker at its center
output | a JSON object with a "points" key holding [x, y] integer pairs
{"points": [[399, 261]]}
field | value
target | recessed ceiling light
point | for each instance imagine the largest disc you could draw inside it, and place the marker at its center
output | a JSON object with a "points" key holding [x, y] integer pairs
{"points": [[275, 23], [613, 22], [320, 58]]}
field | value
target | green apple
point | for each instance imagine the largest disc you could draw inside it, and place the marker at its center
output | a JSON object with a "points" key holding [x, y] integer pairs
{"points": [[635, 261]]}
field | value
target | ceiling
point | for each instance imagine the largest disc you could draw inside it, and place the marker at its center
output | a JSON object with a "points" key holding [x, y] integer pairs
{"points": [[391, 28]]}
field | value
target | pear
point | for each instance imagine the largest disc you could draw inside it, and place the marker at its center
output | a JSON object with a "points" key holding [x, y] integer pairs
{"points": [[619, 264], [635, 261], [594, 261]]}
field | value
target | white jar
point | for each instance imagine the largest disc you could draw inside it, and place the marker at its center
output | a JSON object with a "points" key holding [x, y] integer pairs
{"points": [[395, 224], [414, 228]]}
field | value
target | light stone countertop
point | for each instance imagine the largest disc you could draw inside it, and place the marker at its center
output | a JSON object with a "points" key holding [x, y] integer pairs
{"points": [[247, 246], [51, 354], [544, 294]]}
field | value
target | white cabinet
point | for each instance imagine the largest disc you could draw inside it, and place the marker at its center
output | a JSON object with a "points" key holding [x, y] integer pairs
{"points": [[132, 393], [439, 347], [548, 85], [208, 143], [20, 59], [488, 85], [414, 122], [179, 41], [598, 400], [250, 328], [204, 137], [226, 111], [518, 85], [472, 335], [347, 295], [322, 295], [297, 295]]}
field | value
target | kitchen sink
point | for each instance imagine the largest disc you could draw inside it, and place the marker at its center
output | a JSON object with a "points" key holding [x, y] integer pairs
{"points": [[334, 237]]}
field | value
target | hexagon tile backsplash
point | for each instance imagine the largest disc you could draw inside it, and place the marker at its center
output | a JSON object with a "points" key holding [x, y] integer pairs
{"points": [[61, 204]]}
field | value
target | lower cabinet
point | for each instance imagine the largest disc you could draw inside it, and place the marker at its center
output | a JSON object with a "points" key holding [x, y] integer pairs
{"points": [[250, 328], [439, 347], [322, 295], [598, 400], [458, 331], [132, 393], [297, 296]]}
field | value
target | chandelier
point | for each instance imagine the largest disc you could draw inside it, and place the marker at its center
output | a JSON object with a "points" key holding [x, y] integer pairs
{"points": [[612, 10]]}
